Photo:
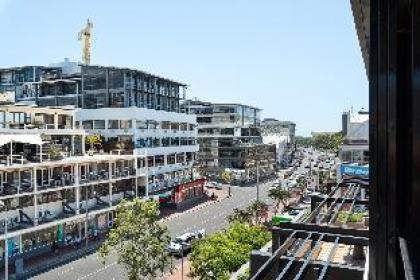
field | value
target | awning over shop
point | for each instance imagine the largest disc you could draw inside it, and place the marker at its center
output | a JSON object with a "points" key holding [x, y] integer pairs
{"points": [[34, 139]]}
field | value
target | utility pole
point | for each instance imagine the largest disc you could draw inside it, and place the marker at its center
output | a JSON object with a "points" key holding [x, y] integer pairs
{"points": [[182, 260]]}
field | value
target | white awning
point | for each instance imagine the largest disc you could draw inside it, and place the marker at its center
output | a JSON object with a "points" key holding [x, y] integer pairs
{"points": [[34, 139]]}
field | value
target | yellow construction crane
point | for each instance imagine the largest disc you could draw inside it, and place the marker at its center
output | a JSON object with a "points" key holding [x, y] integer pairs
{"points": [[85, 36]]}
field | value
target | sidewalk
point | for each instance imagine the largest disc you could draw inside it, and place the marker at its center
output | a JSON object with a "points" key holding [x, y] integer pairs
{"points": [[169, 214], [177, 275], [66, 254], [50, 260]]}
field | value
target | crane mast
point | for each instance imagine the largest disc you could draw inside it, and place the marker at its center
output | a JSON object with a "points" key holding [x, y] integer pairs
{"points": [[85, 36]]}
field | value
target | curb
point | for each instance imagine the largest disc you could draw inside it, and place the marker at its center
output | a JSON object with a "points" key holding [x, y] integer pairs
{"points": [[196, 208]]}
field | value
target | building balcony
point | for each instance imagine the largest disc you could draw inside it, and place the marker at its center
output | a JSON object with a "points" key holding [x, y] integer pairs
{"points": [[323, 244], [166, 150]]}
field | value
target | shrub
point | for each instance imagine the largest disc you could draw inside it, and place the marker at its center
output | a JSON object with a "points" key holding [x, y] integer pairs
{"points": [[216, 256]]}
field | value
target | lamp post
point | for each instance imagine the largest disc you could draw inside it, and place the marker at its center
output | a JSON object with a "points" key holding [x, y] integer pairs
{"points": [[182, 260], [258, 181]]}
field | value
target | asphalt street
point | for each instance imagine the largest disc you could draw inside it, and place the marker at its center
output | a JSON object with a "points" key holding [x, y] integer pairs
{"points": [[212, 218]]}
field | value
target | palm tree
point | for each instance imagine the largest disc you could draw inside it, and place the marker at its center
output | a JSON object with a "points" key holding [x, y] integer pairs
{"points": [[280, 196], [258, 210]]}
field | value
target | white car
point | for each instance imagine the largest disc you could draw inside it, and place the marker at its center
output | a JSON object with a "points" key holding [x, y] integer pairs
{"points": [[182, 244]]}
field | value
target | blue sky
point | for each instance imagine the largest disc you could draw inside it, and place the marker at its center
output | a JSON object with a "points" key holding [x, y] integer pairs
{"points": [[297, 60]]}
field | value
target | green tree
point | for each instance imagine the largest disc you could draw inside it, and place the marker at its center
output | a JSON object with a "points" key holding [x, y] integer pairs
{"points": [[240, 216], [94, 140], [226, 176], [138, 240], [303, 141], [328, 142], [251, 215], [257, 210], [219, 254], [280, 196]]}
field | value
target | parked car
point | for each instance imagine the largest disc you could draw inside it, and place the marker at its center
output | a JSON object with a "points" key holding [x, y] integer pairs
{"points": [[219, 186], [294, 212], [182, 244]]}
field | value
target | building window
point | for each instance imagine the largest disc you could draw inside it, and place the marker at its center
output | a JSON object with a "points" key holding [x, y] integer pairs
{"points": [[227, 131], [126, 124], [87, 124], [113, 124], [166, 125], [166, 141], [151, 124], [184, 126], [99, 124], [141, 124], [156, 142], [175, 126]]}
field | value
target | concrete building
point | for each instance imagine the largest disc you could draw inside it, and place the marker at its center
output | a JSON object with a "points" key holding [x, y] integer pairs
{"points": [[355, 148], [48, 174], [48, 181], [229, 136], [282, 135], [17, 84]]}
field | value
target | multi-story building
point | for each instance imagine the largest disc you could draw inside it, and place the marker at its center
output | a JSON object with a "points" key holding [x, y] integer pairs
{"points": [[48, 182], [124, 105], [355, 148], [48, 178], [18, 83], [230, 137], [281, 134]]}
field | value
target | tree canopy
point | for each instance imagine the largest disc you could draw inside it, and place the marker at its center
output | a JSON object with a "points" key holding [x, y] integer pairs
{"points": [[226, 176], [280, 196], [253, 214], [328, 142], [138, 240], [219, 254]]}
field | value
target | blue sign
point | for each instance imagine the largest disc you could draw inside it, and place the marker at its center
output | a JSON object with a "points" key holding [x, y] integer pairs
{"points": [[354, 170]]}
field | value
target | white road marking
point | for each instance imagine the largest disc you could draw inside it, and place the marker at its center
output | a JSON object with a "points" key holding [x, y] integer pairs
{"points": [[97, 271]]}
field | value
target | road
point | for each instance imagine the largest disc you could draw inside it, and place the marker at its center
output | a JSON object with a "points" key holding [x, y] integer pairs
{"points": [[211, 217]]}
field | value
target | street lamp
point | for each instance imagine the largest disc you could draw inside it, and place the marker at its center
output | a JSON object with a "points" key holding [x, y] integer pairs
{"points": [[182, 260], [6, 249], [258, 181]]}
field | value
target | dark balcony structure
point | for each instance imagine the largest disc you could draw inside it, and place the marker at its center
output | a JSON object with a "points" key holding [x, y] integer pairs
{"points": [[389, 36], [325, 244]]}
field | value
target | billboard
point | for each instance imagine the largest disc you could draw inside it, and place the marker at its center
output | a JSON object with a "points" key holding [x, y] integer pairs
{"points": [[354, 171]]}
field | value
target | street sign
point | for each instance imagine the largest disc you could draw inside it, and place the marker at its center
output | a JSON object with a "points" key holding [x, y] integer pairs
{"points": [[354, 171]]}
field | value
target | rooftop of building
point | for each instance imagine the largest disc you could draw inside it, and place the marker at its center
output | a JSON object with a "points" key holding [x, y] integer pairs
{"points": [[134, 70], [17, 68], [208, 103]]}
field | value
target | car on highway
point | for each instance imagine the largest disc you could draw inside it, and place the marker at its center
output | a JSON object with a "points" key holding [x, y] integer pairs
{"points": [[275, 186], [183, 243], [294, 212]]}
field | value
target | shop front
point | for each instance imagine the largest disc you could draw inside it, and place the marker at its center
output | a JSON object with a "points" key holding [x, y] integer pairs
{"points": [[187, 193]]}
